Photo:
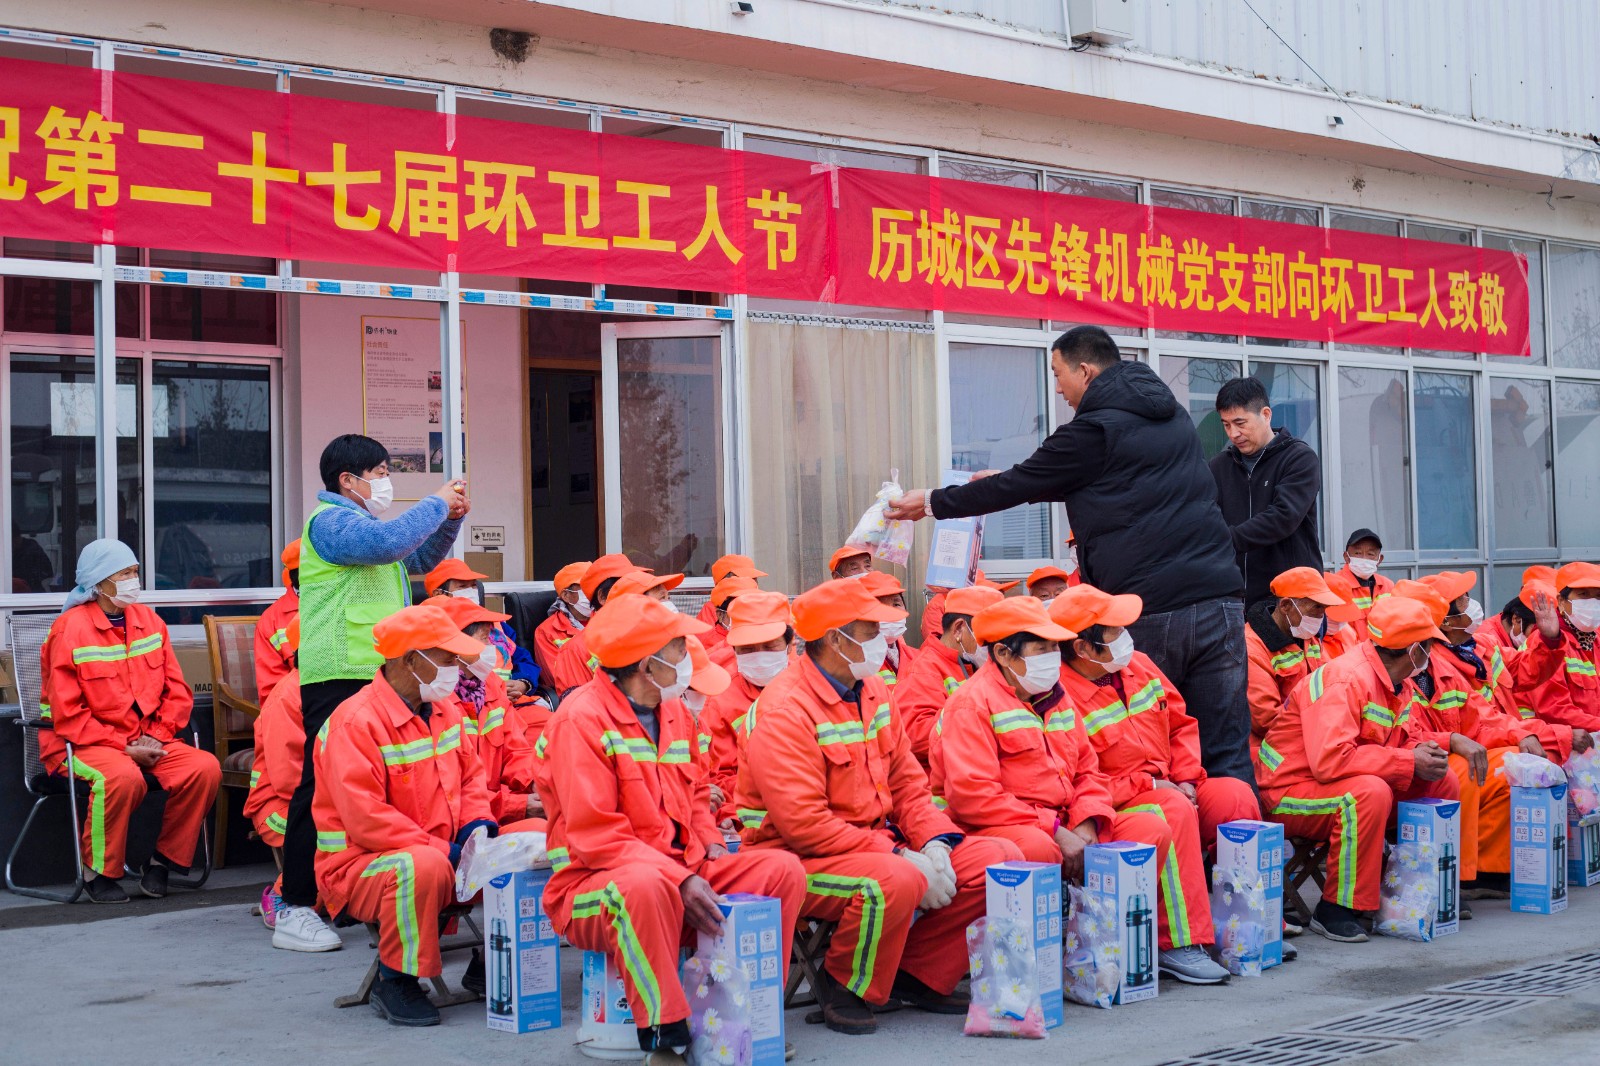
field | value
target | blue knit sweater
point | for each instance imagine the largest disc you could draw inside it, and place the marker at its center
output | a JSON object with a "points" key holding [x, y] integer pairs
{"points": [[347, 535]]}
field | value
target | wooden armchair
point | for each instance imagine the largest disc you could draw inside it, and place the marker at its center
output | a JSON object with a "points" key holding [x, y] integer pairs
{"points": [[234, 707]]}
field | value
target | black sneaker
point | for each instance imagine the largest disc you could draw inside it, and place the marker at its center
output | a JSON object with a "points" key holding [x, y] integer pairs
{"points": [[402, 1000], [842, 1010], [913, 993], [1290, 952], [102, 889], [1337, 923], [473, 980], [154, 881]]}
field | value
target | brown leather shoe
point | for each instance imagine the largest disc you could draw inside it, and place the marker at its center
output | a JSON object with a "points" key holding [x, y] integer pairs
{"points": [[842, 1010], [913, 993]]}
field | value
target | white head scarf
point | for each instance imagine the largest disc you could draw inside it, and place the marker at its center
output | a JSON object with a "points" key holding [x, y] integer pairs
{"points": [[98, 561]]}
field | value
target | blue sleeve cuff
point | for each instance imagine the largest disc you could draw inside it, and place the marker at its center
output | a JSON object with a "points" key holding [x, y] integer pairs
{"points": [[467, 830]]}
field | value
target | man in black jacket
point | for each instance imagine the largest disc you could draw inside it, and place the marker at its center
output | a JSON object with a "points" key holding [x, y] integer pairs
{"points": [[1267, 485], [1143, 509]]}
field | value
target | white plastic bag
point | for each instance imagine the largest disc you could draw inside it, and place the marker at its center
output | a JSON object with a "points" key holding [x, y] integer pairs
{"points": [[1410, 892], [719, 1010], [1531, 771], [483, 858], [1239, 911], [1093, 949], [1005, 980], [1583, 774], [876, 534]]}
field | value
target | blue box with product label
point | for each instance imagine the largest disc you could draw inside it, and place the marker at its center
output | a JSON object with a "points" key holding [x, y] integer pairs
{"points": [[957, 545], [1539, 849], [1030, 892], [1583, 847], [1125, 874], [752, 933], [1248, 845], [521, 955], [1437, 822]]}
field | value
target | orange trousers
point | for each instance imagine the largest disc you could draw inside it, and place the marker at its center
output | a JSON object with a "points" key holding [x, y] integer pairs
{"points": [[1350, 814], [404, 891], [116, 788], [635, 915], [1485, 817], [874, 896]]}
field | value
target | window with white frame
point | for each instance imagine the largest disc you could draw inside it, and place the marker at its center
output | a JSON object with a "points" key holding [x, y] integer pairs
{"points": [[999, 410]]}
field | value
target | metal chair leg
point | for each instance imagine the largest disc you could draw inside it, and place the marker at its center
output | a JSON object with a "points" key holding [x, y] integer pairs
{"points": [[54, 895], [204, 854]]}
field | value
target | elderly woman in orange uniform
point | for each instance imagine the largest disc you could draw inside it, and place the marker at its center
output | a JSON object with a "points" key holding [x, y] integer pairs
{"points": [[568, 614], [761, 636], [573, 664], [891, 593]]}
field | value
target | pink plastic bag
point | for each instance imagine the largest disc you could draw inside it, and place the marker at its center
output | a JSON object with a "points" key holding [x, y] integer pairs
{"points": [[1005, 980]]}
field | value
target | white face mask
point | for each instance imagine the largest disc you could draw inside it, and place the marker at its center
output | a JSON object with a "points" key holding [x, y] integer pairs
{"points": [[484, 665], [974, 658], [695, 701], [1307, 627], [469, 594], [760, 667], [892, 631], [1584, 615], [1121, 651], [1412, 651], [1336, 627], [873, 652], [1474, 613], [1040, 672], [443, 684], [580, 610], [684, 671], [1047, 600], [127, 592], [669, 605], [1363, 568], [382, 494]]}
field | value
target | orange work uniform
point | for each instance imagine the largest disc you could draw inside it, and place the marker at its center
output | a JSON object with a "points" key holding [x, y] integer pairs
{"points": [[1558, 682], [394, 790], [721, 737], [574, 665], [825, 777], [1498, 686], [1359, 594], [1274, 671], [923, 691], [274, 658], [104, 686], [496, 732], [550, 636], [1334, 763], [629, 823], [898, 663], [280, 747]]}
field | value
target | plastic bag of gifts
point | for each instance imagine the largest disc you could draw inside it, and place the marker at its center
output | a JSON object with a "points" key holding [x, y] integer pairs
{"points": [[483, 858], [876, 534], [1583, 774], [1093, 949], [719, 1010], [1239, 911], [1531, 771], [1005, 980], [1410, 892]]}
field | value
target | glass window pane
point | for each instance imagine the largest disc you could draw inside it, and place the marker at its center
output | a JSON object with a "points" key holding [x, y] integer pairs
{"points": [[669, 400], [677, 132], [1073, 185], [1375, 454], [1519, 435], [1447, 465], [211, 427], [989, 173], [1195, 383], [53, 466], [996, 420], [1534, 250], [1421, 231], [1295, 214], [1505, 582], [1575, 307], [1577, 444], [1385, 227], [219, 316], [844, 157], [54, 305], [1295, 395], [1192, 201]]}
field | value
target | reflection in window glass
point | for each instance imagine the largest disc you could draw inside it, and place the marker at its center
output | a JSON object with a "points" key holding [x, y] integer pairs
{"points": [[996, 420], [1519, 436], [1072, 185], [1575, 307], [1375, 453], [1505, 583], [220, 316], [56, 305], [1534, 250], [1295, 396], [1195, 383], [1294, 214], [1447, 465], [1441, 235], [1192, 201], [844, 157], [1577, 444], [1384, 227], [988, 172]]}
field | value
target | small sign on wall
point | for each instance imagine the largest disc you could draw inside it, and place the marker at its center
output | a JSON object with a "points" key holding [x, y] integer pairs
{"points": [[488, 536]]}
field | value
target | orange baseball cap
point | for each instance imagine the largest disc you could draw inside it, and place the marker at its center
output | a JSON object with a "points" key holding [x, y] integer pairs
{"points": [[758, 617], [731, 586], [1305, 583], [1004, 586], [570, 575], [742, 565], [1344, 612], [1399, 621], [1531, 589], [1019, 614], [604, 569], [1579, 576], [463, 612], [838, 603], [630, 628], [292, 634], [450, 570], [1539, 572], [422, 628], [709, 679], [291, 554], [882, 584], [1045, 572], [1424, 594], [1451, 584], [1082, 606], [644, 581], [972, 599], [846, 552]]}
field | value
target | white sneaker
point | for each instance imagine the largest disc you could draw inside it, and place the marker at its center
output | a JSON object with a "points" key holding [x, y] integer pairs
{"points": [[301, 929], [1189, 964]]}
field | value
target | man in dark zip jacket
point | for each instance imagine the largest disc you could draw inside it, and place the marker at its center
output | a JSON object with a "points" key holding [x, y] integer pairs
{"points": [[1267, 485], [1143, 508]]}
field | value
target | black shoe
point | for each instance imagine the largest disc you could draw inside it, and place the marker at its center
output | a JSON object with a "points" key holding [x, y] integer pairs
{"points": [[842, 1010], [102, 889], [913, 993], [473, 980], [402, 1000], [1337, 923], [1487, 886], [154, 881], [1290, 952]]}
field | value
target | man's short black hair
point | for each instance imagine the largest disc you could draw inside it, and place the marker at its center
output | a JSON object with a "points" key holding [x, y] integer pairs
{"points": [[1088, 344], [1247, 393], [350, 454], [1515, 608], [602, 591], [1095, 634], [948, 620]]}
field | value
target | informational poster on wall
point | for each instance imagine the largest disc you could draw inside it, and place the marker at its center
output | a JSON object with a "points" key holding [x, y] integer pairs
{"points": [[403, 399]]}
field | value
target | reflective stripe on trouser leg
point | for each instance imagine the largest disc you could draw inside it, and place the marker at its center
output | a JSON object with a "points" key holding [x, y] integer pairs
{"points": [[1172, 897], [864, 961], [405, 902], [95, 825], [1348, 843], [608, 901]]}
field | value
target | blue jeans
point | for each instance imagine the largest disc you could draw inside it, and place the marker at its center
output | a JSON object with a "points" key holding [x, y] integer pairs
{"points": [[1201, 649]]}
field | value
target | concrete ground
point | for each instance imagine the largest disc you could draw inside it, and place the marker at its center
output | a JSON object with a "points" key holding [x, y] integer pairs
{"points": [[194, 979]]}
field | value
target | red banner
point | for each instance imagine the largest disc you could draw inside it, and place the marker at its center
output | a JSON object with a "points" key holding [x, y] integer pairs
{"points": [[152, 162]]}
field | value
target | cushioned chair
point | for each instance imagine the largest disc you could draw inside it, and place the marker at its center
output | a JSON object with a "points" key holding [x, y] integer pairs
{"points": [[230, 640]]}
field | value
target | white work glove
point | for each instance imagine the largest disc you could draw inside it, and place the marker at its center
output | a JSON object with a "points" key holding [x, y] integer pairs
{"points": [[942, 879], [930, 876]]}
